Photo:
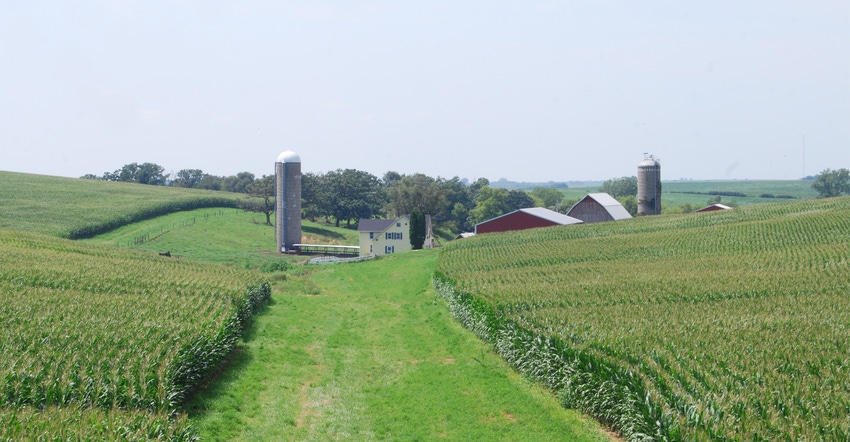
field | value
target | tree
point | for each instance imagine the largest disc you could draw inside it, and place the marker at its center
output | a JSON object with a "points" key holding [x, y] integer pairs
{"points": [[145, 173], [262, 191], [238, 183], [417, 192], [518, 199], [150, 173], [831, 183], [629, 203], [188, 178], [314, 196], [550, 197], [209, 182], [619, 187], [417, 229], [491, 203], [352, 194]]}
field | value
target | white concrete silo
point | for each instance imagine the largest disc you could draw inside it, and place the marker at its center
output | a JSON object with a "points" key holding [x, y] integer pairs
{"points": [[287, 200]]}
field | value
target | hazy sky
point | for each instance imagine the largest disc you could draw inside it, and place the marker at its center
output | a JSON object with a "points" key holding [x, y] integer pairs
{"points": [[525, 90]]}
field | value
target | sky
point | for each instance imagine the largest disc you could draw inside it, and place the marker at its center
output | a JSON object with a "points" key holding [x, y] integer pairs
{"points": [[526, 90]]}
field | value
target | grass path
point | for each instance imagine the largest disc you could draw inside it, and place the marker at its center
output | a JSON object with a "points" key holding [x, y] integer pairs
{"points": [[366, 351]]}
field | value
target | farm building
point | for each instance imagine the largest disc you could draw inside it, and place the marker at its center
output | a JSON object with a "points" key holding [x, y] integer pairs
{"points": [[525, 219], [597, 208], [465, 235], [714, 208], [385, 236]]}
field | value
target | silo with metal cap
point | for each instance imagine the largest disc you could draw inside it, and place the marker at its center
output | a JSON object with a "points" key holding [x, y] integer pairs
{"points": [[649, 186], [287, 200]]}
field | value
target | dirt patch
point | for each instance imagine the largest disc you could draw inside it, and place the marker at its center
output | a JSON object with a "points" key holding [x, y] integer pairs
{"points": [[448, 361], [509, 417]]}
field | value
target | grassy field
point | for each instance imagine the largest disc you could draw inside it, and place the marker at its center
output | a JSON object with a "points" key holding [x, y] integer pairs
{"points": [[76, 208], [366, 351], [101, 342], [220, 235], [722, 326]]}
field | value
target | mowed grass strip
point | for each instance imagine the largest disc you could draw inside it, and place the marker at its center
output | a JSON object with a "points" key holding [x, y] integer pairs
{"points": [[366, 351]]}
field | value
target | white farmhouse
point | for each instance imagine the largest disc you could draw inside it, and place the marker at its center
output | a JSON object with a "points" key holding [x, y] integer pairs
{"points": [[385, 236]]}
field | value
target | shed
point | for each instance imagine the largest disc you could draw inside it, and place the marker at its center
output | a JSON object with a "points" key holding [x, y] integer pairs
{"points": [[525, 219], [713, 208], [597, 208]]}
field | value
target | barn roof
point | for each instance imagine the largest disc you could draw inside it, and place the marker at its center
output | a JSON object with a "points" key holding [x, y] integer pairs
{"points": [[611, 205], [551, 215], [714, 207], [542, 213]]}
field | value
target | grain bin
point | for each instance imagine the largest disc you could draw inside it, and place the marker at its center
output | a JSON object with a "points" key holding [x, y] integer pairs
{"points": [[649, 186], [287, 200]]}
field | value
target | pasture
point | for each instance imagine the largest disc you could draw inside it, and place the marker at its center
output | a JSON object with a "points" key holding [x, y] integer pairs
{"points": [[725, 325]]}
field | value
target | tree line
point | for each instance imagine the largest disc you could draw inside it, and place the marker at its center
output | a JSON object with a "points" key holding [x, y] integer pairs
{"points": [[347, 195]]}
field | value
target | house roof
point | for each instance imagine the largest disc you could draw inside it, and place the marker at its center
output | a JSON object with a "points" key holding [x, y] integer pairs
{"points": [[611, 205], [379, 225]]}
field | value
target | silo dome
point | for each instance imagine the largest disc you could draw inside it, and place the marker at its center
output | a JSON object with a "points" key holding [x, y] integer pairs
{"points": [[647, 162], [288, 156]]}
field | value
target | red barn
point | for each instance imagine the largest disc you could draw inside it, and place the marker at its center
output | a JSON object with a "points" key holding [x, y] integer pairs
{"points": [[525, 219]]}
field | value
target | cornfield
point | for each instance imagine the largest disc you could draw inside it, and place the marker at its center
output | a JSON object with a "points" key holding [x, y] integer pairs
{"points": [[97, 333], [729, 325]]}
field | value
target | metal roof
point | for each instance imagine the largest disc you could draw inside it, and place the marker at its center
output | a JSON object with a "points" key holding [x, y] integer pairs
{"points": [[543, 213], [551, 215]]}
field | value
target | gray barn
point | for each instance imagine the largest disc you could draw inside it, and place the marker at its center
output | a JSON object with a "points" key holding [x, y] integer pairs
{"points": [[597, 208]]}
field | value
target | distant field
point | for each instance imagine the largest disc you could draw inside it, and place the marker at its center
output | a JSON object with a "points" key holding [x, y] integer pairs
{"points": [[89, 329], [696, 193], [78, 208], [730, 325]]}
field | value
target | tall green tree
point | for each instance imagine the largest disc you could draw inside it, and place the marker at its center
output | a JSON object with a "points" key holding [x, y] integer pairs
{"points": [[262, 201], [417, 192], [145, 173], [188, 178], [491, 202], [417, 229], [352, 194], [620, 187], [550, 196], [831, 183], [518, 199], [237, 183]]}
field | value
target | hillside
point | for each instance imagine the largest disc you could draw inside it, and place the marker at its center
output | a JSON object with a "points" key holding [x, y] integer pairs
{"points": [[710, 326], [77, 208]]}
